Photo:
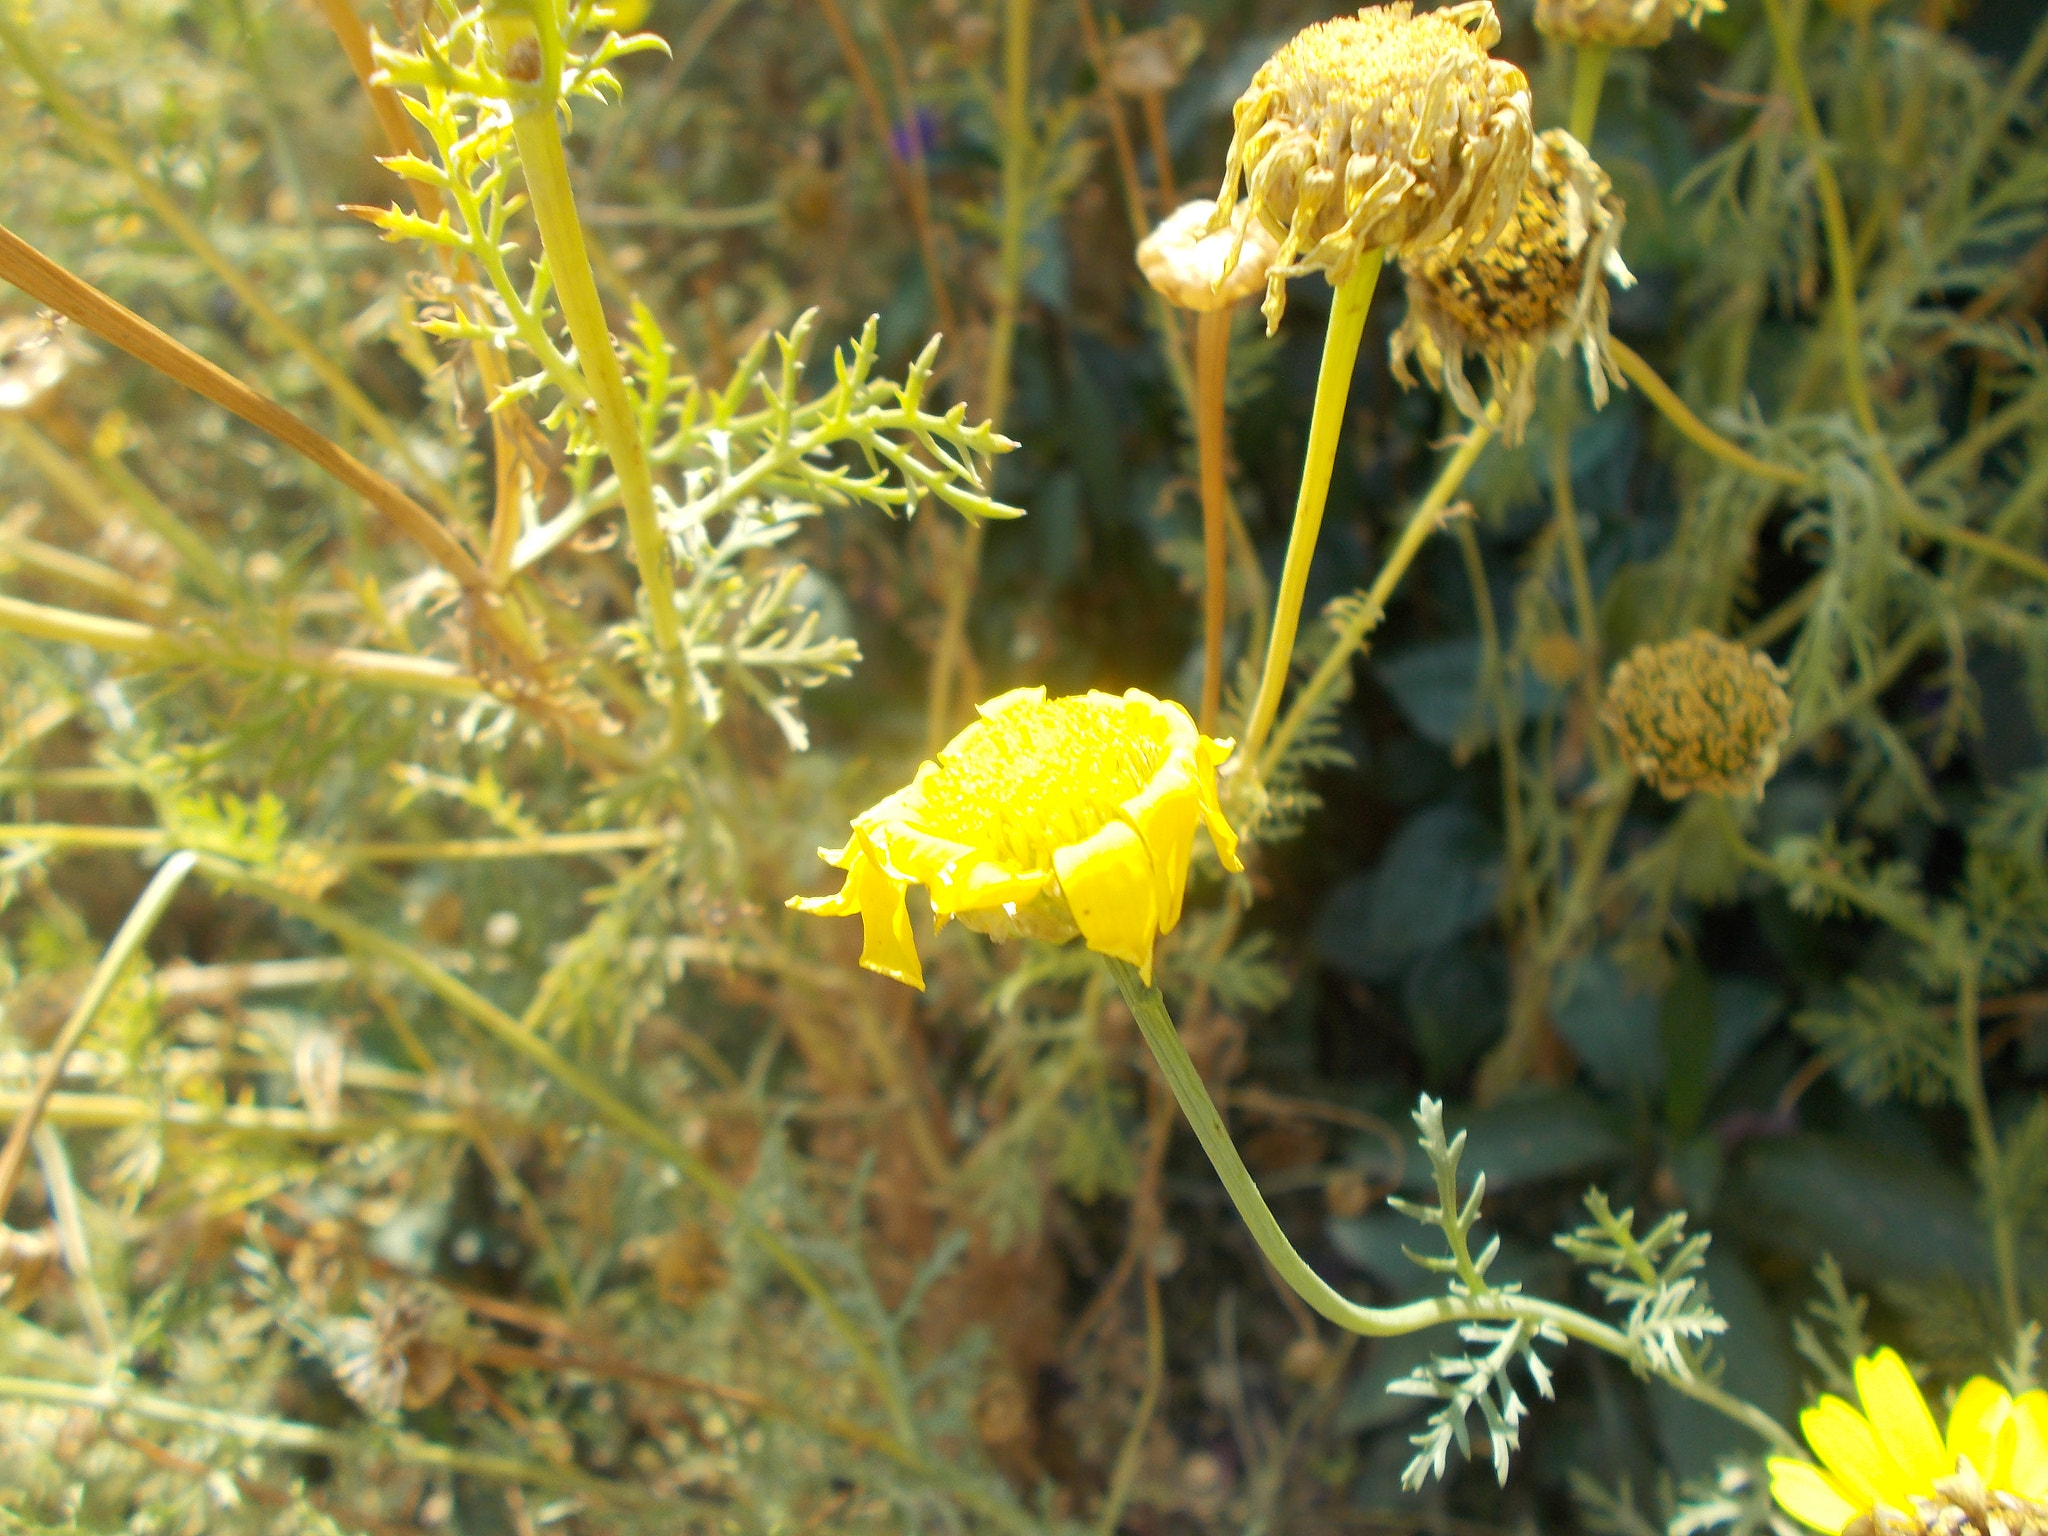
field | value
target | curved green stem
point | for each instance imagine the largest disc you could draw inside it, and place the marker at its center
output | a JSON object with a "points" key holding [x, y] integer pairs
{"points": [[1589, 74], [1422, 522], [1483, 1304], [1680, 415], [1333, 387]]}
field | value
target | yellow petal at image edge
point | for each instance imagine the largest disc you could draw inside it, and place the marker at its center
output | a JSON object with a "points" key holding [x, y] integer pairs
{"points": [[1805, 1493], [1898, 1413], [2029, 1475], [1981, 1430], [1109, 887], [1849, 1449]]}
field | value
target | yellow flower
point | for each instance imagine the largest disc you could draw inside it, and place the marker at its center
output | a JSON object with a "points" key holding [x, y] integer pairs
{"points": [[1619, 23], [1046, 818], [1888, 1469], [1542, 283], [1699, 715], [1382, 130]]}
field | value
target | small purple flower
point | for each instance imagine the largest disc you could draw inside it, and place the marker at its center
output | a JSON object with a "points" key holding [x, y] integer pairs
{"points": [[916, 138]]}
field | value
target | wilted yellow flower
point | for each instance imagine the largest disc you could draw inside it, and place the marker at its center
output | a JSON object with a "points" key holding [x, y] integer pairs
{"points": [[1887, 1471], [1699, 715], [1198, 270], [1619, 23], [1046, 818], [1542, 283], [1382, 130]]}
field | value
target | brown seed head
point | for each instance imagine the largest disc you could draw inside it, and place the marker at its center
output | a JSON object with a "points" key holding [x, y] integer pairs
{"points": [[1699, 716], [1380, 130], [1194, 269], [1542, 283], [1619, 23]]}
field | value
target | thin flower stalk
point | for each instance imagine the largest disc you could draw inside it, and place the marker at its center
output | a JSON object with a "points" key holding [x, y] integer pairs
{"points": [[1371, 607], [1211, 273], [1326, 421], [1589, 74]]}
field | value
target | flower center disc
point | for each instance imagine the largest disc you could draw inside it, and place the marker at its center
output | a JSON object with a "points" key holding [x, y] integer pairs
{"points": [[1042, 776]]}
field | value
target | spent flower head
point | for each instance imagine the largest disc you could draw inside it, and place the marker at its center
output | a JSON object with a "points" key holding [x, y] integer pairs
{"points": [[1196, 269], [1888, 1471], [1542, 283], [1619, 23], [1383, 130], [1044, 819], [1700, 715]]}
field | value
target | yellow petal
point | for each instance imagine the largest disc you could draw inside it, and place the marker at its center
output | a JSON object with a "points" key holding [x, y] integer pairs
{"points": [[1010, 700], [870, 891], [1804, 1492], [910, 853], [2029, 1474], [1849, 1449], [1109, 888], [1981, 1408], [1898, 1413], [1211, 753], [1163, 814], [886, 944], [974, 884]]}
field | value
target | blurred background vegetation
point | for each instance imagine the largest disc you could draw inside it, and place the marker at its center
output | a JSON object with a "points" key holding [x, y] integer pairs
{"points": [[475, 1144]]}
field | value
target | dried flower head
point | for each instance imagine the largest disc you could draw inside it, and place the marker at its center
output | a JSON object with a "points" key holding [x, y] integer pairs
{"points": [[1155, 59], [1700, 715], [1542, 283], [1383, 130], [1194, 269], [1619, 23], [33, 360], [1045, 819], [1887, 1471]]}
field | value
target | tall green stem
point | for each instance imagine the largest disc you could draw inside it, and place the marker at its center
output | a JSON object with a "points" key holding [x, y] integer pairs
{"points": [[1365, 617], [1480, 1302], [1589, 74], [537, 132], [1333, 387]]}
